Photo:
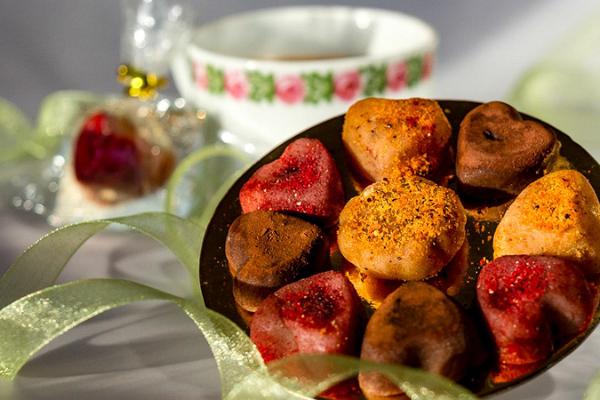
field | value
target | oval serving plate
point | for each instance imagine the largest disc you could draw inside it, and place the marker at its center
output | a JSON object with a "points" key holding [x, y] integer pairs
{"points": [[216, 282]]}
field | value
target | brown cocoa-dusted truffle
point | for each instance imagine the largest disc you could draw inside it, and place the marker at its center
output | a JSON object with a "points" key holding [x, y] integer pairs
{"points": [[500, 153], [403, 229], [417, 326], [385, 138], [266, 250]]}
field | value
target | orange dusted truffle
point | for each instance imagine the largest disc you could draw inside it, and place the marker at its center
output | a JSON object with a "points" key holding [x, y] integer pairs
{"points": [[557, 215], [406, 229], [386, 138], [369, 288]]}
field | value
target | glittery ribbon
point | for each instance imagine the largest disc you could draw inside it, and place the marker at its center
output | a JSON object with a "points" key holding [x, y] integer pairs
{"points": [[593, 390], [20, 140], [40, 265], [35, 312], [189, 163]]}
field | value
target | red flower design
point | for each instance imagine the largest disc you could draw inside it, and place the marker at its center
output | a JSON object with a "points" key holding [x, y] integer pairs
{"points": [[396, 76], [289, 88], [347, 85], [236, 84], [201, 75], [427, 65]]}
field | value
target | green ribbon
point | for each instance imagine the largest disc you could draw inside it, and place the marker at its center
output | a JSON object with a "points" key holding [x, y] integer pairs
{"points": [[203, 210], [40, 265], [36, 312], [593, 390], [34, 320], [311, 374], [56, 118]]}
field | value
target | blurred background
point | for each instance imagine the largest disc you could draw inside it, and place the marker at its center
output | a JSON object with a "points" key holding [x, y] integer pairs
{"points": [[484, 46], [485, 49]]}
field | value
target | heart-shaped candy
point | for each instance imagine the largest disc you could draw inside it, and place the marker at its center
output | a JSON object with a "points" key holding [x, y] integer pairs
{"points": [[531, 302], [403, 229], [557, 215], [498, 152], [417, 326], [385, 138], [266, 250], [319, 314], [303, 180]]}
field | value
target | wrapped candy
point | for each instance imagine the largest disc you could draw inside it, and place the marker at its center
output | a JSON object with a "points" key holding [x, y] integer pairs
{"points": [[113, 155], [114, 160], [121, 155]]}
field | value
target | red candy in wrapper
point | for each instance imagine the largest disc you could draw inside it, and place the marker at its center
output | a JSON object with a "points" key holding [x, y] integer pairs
{"points": [[106, 153], [115, 163]]}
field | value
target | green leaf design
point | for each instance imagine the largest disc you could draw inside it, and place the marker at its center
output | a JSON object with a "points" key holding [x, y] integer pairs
{"points": [[319, 87], [375, 79], [414, 70], [216, 79], [262, 86]]}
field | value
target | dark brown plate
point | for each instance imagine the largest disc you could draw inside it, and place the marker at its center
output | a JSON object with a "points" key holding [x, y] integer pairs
{"points": [[217, 285]]}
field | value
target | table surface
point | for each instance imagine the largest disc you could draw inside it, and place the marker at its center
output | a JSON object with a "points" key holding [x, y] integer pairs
{"points": [[153, 351]]}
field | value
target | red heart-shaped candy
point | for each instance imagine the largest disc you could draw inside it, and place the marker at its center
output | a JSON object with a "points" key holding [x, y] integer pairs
{"points": [[304, 180], [319, 314], [532, 302]]}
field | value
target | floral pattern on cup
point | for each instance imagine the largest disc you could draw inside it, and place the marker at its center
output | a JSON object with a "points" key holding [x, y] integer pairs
{"points": [[396, 76], [316, 86], [262, 86], [290, 89], [347, 85], [200, 76], [427, 66], [319, 87], [236, 84]]}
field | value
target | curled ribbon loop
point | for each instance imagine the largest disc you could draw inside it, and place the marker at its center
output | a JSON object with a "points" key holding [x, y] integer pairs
{"points": [[35, 312]]}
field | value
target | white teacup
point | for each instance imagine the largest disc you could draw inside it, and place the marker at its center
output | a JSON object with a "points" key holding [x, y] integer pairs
{"points": [[269, 74]]}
